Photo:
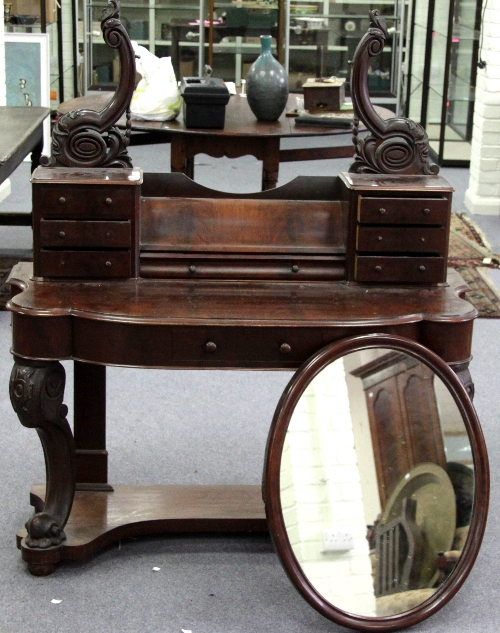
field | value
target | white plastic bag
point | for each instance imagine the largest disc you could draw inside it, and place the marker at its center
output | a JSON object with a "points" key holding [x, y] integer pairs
{"points": [[157, 97]]}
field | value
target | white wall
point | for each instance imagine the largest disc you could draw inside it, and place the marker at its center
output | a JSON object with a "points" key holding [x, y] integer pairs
{"points": [[321, 490], [483, 194]]}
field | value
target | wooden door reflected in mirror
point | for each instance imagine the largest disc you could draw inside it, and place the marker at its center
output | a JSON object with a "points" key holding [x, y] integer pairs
{"points": [[376, 482]]}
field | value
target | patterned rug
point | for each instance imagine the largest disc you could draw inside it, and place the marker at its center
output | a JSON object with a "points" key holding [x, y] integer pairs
{"points": [[469, 253]]}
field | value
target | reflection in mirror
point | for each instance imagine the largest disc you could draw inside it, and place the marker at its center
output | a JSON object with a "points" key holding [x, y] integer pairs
{"points": [[376, 482]]}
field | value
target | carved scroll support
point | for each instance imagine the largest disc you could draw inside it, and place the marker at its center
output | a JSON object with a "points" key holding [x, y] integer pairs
{"points": [[463, 374], [394, 146], [36, 392], [85, 138]]}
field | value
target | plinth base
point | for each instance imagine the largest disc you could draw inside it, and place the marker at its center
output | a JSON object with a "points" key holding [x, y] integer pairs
{"points": [[99, 519]]}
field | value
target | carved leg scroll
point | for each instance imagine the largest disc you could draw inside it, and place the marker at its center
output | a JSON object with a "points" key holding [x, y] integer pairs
{"points": [[36, 393], [463, 373]]}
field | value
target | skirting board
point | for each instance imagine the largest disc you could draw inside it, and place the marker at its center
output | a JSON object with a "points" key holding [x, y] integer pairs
{"points": [[481, 206]]}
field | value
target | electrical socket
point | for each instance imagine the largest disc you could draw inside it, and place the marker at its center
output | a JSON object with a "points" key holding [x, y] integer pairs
{"points": [[337, 541]]}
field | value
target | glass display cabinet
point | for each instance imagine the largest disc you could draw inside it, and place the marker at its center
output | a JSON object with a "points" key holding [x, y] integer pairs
{"points": [[224, 35], [152, 25], [442, 75], [322, 36], [311, 38], [234, 34]]}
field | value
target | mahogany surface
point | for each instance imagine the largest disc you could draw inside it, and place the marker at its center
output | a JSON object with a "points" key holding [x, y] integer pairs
{"points": [[158, 323]]}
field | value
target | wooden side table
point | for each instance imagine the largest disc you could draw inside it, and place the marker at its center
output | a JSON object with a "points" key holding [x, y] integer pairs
{"points": [[21, 133]]}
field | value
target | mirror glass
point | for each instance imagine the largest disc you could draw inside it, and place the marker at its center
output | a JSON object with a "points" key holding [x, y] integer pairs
{"points": [[376, 482]]}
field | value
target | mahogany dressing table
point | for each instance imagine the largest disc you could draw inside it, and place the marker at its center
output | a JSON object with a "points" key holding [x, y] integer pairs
{"points": [[153, 270]]}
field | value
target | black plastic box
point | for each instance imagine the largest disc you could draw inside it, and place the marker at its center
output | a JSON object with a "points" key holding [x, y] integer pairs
{"points": [[205, 102]]}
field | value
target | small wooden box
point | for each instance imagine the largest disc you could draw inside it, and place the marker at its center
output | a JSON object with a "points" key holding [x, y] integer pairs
{"points": [[323, 95]]}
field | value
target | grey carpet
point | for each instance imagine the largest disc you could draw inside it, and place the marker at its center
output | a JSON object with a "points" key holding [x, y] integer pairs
{"points": [[203, 427]]}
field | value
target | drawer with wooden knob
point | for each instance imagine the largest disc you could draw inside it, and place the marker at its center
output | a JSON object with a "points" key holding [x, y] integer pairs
{"points": [[224, 346], [199, 266], [400, 269], [90, 234], [92, 264], [90, 202], [384, 239], [406, 211]]}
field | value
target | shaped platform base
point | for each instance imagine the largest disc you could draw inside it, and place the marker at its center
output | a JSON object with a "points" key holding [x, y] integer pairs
{"points": [[99, 519]]}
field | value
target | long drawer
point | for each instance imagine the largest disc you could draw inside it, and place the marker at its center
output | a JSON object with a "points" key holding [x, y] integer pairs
{"points": [[202, 266]]}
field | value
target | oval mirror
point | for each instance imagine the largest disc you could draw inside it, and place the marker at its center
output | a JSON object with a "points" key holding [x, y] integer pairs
{"points": [[376, 482]]}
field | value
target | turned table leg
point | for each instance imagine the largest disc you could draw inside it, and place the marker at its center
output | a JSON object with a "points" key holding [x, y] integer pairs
{"points": [[36, 393], [270, 162]]}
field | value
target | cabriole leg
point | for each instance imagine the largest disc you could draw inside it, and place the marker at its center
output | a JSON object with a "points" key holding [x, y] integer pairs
{"points": [[463, 373], [36, 393]]}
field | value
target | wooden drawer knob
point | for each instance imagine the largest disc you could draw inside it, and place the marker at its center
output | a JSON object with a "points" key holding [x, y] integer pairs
{"points": [[295, 269], [192, 269], [108, 263], [285, 348], [109, 201], [211, 347], [62, 234], [421, 269], [378, 269], [382, 211], [62, 200], [426, 211]]}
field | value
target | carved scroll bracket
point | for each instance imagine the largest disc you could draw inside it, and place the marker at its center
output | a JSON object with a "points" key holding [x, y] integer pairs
{"points": [[462, 371], [85, 138], [394, 146], [36, 392]]}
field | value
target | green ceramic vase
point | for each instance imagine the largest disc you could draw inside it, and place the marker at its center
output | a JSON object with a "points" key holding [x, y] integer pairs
{"points": [[267, 84]]}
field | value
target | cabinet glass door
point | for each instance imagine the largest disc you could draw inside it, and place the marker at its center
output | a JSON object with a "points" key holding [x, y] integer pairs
{"points": [[233, 38], [322, 36], [443, 63], [166, 28]]}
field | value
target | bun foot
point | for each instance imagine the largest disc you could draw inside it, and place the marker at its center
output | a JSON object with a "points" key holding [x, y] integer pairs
{"points": [[41, 570]]}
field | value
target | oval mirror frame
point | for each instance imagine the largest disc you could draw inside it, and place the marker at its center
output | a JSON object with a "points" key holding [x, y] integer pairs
{"points": [[271, 488]]}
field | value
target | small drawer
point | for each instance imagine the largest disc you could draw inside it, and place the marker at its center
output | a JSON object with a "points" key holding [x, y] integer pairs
{"points": [[84, 202], [401, 240], [403, 211], [84, 264], [89, 234], [411, 270]]}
